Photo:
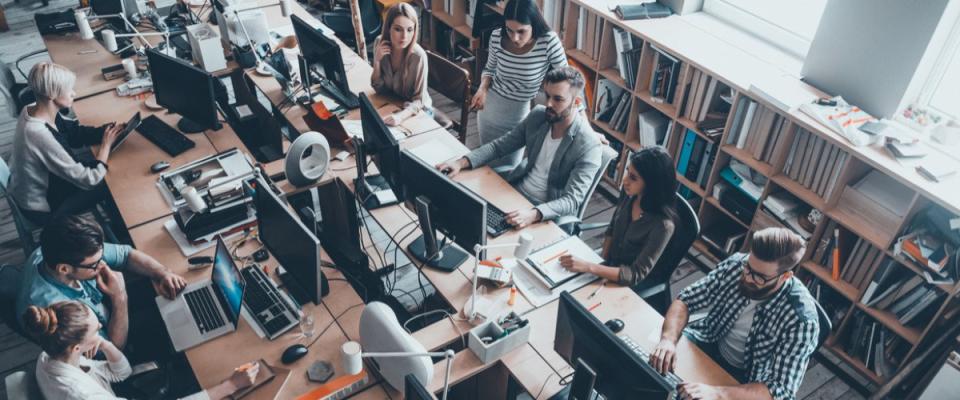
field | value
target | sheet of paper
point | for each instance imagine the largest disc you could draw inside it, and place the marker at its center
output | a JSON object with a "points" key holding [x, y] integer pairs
{"points": [[354, 128], [437, 151], [536, 292], [547, 259]]}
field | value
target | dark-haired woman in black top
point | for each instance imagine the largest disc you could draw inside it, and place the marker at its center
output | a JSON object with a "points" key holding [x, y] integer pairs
{"points": [[642, 224]]}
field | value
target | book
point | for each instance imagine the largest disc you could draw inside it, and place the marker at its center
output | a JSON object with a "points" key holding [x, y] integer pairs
{"points": [[791, 154], [813, 163], [800, 155], [546, 261], [745, 126], [641, 11], [879, 277], [696, 156], [706, 165], [833, 177]]}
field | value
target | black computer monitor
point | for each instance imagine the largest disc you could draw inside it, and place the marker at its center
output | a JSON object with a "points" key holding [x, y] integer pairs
{"points": [[446, 206], [320, 50], [340, 219], [266, 140], [106, 7], [186, 90], [295, 247], [621, 374], [378, 142], [414, 390], [226, 278]]}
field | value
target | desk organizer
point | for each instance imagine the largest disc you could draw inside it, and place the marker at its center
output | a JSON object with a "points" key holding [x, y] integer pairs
{"points": [[488, 352]]}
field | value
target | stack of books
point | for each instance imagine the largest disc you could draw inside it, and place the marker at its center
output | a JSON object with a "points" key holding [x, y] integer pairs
{"points": [[788, 210], [823, 254], [934, 256], [725, 238], [628, 49], [814, 163], [833, 303], [757, 129], [613, 105], [696, 157], [910, 300], [663, 76], [860, 263], [879, 349], [589, 29], [707, 103]]}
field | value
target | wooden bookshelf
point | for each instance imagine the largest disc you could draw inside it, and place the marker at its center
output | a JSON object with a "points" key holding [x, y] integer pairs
{"points": [[824, 275], [889, 320], [854, 363]]}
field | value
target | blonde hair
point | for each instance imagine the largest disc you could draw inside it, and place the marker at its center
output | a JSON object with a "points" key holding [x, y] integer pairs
{"points": [[57, 327], [779, 245], [403, 10], [48, 80]]}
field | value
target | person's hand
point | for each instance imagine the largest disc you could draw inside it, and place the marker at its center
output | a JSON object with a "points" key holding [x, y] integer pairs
{"points": [[109, 136], [391, 120], [382, 50], [452, 168], [96, 348], [244, 376], [170, 284], [574, 264], [603, 138], [523, 218], [664, 356], [479, 99], [111, 283], [697, 391]]}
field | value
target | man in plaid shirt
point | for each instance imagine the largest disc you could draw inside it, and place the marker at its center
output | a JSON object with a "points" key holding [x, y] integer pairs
{"points": [[761, 323]]}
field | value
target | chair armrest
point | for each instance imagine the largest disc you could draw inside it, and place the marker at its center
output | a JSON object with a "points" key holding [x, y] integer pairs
{"points": [[566, 220], [593, 225], [651, 291]]}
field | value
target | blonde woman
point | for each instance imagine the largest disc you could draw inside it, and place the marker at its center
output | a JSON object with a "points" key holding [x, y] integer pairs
{"points": [[67, 331], [46, 178], [400, 64]]}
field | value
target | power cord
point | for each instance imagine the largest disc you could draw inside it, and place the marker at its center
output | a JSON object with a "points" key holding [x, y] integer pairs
{"points": [[544, 386], [333, 323], [463, 341]]}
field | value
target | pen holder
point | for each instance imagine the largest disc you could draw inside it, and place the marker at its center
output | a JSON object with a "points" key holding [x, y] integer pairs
{"points": [[501, 344]]}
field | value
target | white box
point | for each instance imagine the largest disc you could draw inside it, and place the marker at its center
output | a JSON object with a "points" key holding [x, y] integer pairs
{"points": [[488, 352], [206, 47]]}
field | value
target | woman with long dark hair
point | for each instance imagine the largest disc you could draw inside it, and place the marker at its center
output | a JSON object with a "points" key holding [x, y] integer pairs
{"points": [[642, 224], [521, 53]]}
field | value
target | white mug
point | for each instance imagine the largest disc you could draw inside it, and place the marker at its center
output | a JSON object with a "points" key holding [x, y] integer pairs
{"points": [[193, 199], [131, 67]]}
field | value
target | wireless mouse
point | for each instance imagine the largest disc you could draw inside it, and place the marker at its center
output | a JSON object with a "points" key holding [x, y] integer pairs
{"points": [[294, 353], [159, 166], [615, 325]]}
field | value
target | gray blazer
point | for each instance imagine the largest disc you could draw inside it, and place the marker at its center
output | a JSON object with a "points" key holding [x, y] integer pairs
{"points": [[573, 169]]}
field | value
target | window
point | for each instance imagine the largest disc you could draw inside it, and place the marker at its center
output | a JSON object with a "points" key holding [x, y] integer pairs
{"points": [[940, 90], [788, 24]]}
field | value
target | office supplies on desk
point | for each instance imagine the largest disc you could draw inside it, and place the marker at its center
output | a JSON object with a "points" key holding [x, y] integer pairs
{"points": [[226, 166], [494, 338], [546, 261], [262, 382], [112, 72], [307, 159], [270, 307]]}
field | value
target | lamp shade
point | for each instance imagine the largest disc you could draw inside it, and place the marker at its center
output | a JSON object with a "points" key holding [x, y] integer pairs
{"points": [[524, 243], [350, 358]]}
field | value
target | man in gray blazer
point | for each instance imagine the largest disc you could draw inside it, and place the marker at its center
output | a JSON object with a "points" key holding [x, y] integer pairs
{"points": [[562, 154]]}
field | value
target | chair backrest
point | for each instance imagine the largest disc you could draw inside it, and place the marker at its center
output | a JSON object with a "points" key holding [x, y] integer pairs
{"points": [[10, 277], [452, 81], [24, 227], [7, 83], [22, 385], [686, 228], [606, 156], [825, 324]]}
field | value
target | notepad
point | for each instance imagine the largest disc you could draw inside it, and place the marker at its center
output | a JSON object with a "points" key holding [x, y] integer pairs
{"points": [[546, 261]]}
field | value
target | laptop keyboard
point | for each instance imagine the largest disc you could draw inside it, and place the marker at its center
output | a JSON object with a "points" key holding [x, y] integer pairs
{"points": [[263, 301], [496, 221], [672, 378], [204, 309]]}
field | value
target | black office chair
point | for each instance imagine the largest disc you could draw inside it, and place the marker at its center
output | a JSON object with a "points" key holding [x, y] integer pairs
{"points": [[826, 326], [341, 22], [9, 284], [655, 287]]}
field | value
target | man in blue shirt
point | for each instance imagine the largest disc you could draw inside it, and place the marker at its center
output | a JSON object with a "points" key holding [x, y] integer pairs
{"points": [[73, 263]]}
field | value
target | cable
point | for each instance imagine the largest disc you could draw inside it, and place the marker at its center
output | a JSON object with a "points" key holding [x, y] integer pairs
{"points": [[463, 339], [545, 381], [332, 323], [415, 302], [563, 380], [396, 244]]}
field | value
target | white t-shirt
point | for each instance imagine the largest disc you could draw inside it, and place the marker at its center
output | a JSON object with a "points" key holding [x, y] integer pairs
{"points": [[734, 344], [534, 184]]}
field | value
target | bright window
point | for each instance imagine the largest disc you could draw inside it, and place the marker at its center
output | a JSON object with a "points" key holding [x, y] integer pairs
{"points": [[940, 91], [788, 24]]}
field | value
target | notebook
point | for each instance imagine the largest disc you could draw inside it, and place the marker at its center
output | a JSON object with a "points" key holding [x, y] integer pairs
{"points": [[546, 261]]}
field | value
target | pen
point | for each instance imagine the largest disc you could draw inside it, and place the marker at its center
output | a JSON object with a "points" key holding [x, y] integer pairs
{"points": [[555, 256], [602, 282], [594, 307]]}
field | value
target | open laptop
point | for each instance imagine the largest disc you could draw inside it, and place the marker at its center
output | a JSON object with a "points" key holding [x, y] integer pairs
{"points": [[205, 309]]}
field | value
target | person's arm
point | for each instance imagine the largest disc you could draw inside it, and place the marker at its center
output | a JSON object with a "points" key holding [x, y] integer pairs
{"points": [[111, 283], [489, 70], [577, 186], [58, 162], [781, 377], [418, 72], [79, 135], [631, 275], [167, 282], [117, 367], [700, 391], [241, 378], [380, 49], [512, 141]]}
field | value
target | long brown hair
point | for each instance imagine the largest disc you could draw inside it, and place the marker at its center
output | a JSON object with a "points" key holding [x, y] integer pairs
{"points": [[57, 327], [402, 10]]}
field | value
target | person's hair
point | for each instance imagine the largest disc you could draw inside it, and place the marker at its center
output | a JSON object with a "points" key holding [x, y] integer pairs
{"points": [[402, 10], [565, 74], [57, 327], [70, 239], [779, 245], [48, 80], [655, 166], [526, 13]]}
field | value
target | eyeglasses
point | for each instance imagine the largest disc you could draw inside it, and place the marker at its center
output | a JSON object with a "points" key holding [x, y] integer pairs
{"points": [[756, 276], [92, 265]]}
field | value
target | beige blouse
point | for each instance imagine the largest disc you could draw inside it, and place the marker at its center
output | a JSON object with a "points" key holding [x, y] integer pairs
{"points": [[408, 83]]}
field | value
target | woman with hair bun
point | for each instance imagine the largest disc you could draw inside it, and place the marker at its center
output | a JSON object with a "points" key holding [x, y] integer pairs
{"points": [[67, 332]]}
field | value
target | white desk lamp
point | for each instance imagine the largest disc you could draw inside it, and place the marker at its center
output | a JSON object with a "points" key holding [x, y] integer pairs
{"points": [[109, 36], [351, 356], [523, 245], [285, 8]]}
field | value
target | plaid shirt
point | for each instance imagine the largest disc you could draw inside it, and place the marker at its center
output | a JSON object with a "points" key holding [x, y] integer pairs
{"points": [[784, 331]]}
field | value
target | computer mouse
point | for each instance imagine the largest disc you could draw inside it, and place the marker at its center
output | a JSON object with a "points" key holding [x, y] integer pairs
{"points": [[294, 353], [446, 171], [159, 166], [615, 325]]}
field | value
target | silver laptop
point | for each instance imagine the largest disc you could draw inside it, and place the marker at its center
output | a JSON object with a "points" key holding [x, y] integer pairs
{"points": [[206, 309]]}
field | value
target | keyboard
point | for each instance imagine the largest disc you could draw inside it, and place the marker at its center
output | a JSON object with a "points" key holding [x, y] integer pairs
{"points": [[265, 303], [348, 99], [496, 221], [671, 378], [170, 140], [204, 309]]}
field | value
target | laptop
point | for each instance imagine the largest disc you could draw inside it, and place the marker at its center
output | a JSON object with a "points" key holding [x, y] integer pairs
{"points": [[132, 124], [205, 309]]}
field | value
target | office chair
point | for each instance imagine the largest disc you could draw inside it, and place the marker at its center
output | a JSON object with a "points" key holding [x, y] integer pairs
{"points": [[574, 224], [22, 385], [17, 94], [341, 22], [9, 286], [24, 227], [452, 81], [826, 326], [655, 287]]}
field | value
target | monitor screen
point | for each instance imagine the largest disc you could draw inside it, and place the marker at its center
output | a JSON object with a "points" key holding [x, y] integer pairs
{"points": [[621, 374], [106, 7], [295, 247], [183, 89], [380, 144], [341, 221], [454, 210], [319, 49], [227, 280]]}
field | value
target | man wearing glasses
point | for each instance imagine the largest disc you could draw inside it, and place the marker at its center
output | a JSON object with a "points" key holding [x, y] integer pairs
{"points": [[73, 263], [761, 323]]}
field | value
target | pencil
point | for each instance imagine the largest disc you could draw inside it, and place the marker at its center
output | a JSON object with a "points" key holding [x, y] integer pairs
{"points": [[836, 254], [555, 256], [594, 307]]}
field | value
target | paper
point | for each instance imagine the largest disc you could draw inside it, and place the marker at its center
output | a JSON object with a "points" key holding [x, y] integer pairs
{"points": [[538, 294], [437, 151], [546, 261], [188, 249], [329, 103], [354, 128]]}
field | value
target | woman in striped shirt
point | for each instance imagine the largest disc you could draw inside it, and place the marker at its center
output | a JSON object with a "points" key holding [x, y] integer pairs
{"points": [[514, 73]]}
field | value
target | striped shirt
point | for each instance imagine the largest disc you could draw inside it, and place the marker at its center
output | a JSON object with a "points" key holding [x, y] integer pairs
{"points": [[784, 332], [518, 76]]}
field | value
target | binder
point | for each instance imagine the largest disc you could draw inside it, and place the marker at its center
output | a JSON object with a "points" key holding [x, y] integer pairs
{"points": [[684, 159]]}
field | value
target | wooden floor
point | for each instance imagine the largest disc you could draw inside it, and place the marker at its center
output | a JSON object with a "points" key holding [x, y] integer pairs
{"points": [[17, 353]]}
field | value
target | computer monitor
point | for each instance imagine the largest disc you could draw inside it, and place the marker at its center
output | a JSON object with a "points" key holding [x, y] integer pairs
{"points": [[106, 7], [620, 373], [294, 246], [226, 278], [378, 142], [186, 90], [446, 206], [318, 49], [414, 390], [266, 140], [340, 219]]}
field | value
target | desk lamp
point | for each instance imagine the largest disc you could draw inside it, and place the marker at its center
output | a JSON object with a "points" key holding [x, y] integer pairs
{"points": [[352, 360], [285, 11], [109, 36], [523, 245]]}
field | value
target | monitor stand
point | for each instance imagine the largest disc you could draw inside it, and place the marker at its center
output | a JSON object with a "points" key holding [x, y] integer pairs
{"points": [[187, 126], [298, 293], [375, 192], [447, 259]]}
